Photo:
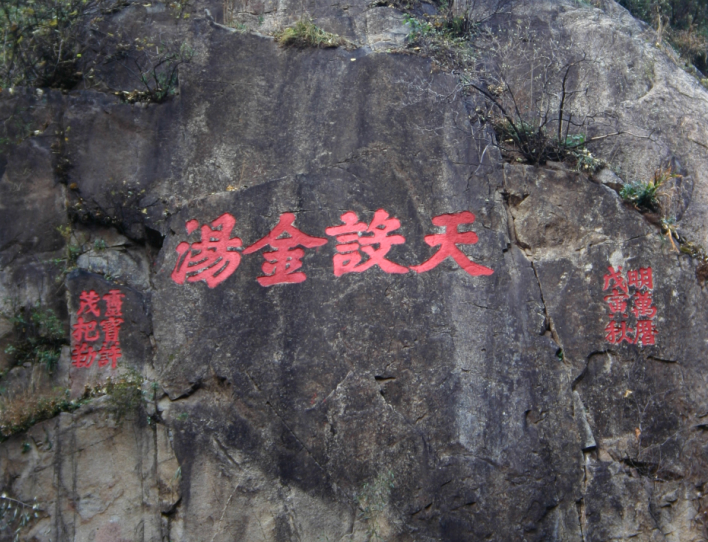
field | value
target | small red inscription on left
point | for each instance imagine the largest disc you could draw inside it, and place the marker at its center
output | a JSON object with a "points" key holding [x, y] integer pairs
{"points": [[85, 331]]}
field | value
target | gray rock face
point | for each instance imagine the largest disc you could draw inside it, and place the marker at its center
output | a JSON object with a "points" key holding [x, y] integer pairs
{"points": [[525, 389]]}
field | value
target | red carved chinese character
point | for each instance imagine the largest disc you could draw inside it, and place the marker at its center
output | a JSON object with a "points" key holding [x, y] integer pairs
{"points": [[615, 277], [82, 331], [82, 356], [111, 328], [282, 263], [109, 354], [214, 258], [355, 236], [641, 279], [617, 302], [448, 241], [643, 305], [646, 332], [88, 302], [616, 332], [114, 303]]}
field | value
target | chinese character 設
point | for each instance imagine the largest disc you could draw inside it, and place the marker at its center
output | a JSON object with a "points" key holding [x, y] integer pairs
{"points": [[374, 240]]}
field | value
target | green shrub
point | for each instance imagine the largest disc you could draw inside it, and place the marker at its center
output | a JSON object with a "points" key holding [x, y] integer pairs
{"points": [[418, 27], [524, 142], [681, 13], [40, 336], [20, 412], [158, 66], [42, 42], [372, 501], [125, 395], [443, 38]]}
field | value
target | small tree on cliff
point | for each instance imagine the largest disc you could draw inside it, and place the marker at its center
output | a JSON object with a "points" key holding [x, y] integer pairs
{"points": [[538, 99]]}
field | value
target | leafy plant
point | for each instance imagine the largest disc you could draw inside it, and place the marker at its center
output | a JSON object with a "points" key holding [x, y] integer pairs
{"points": [[443, 38], [646, 195], [464, 18], [685, 23], [72, 251], [305, 33], [697, 252], [179, 8], [537, 97], [40, 337], [668, 228], [15, 515], [418, 27], [585, 161]]}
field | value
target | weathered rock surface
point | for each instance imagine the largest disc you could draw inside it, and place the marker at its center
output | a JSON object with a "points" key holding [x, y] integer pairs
{"points": [[398, 406], [94, 479]]}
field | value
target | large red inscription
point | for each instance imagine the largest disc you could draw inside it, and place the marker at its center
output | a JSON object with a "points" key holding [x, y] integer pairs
{"points": [[360, 246]]}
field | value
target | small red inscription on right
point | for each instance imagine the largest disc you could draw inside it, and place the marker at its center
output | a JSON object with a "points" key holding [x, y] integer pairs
{"points": [[630, 295]]}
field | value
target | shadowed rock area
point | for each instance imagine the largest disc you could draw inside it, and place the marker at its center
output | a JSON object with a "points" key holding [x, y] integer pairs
{"points": [[282, 394]]}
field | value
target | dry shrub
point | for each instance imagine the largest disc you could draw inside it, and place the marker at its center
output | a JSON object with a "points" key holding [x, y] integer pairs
{"points": [[692, 45], [19, 413]]}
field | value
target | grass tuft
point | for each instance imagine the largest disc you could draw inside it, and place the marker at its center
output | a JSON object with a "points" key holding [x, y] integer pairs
{"points": [[646, 195], [305, 33]]}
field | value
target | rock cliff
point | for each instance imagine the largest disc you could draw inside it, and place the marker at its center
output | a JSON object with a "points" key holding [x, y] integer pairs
{"points": [[306, 297]]}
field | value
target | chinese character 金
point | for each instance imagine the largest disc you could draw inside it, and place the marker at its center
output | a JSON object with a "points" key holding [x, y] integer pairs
{"points": [[282, 263]]}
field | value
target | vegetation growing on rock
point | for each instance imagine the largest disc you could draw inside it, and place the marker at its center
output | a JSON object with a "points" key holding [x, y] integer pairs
{"points": [[20, 412], [16, 515], [40, 336], [58, 44], [306, 33], [684, 22], [647, 195], [43, 41]]}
